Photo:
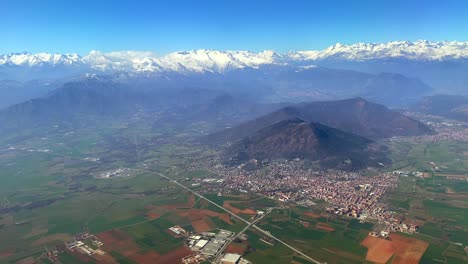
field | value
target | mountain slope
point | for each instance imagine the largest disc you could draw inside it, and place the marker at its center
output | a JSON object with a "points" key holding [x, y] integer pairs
{"points": [[13, 92], [294, 138], [355, 116], [91, 103]]}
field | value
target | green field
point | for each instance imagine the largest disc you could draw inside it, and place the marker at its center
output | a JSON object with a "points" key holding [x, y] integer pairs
{"points": [[342, 245], [440, 203], [47, 181], [448, 156]]}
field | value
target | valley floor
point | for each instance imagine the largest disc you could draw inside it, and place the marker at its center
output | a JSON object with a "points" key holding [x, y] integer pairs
{"points": [[104, 183]]}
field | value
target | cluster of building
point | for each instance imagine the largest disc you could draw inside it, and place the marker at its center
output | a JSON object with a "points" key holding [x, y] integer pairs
{"points": [[442, 134], [395, 224], [178, 231], [230, 258], [52, 256], [121, 172], [209, 244], [444, 129], [78, 244], [348, 193]]}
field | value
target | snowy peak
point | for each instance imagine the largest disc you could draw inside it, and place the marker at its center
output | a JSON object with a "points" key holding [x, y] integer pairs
{"points": [[418, 50], [182, 61], [221, 61], [121, 61], [38, 59], [216, 61]]}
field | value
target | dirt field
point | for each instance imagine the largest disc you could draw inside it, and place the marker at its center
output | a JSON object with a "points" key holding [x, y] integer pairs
{"points": [[148, 257], [154, 212], [405, 250], [324, 226], [195, 214], [105, 259], [6, 253], [248, 211], [152, 215], [119, 241], [409, 250], [311, 215], [174, 256], [199, 218], [237, 248], [189, 204], [379, 249], [202, 225], [305, 224]]}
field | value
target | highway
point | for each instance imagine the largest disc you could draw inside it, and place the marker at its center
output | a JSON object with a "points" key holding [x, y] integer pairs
{"points": [[217, 257], [249, 224]]}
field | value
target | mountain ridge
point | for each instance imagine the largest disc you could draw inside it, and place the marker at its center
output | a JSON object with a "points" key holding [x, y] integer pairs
{"points": [[219, 61], [356, 116]]}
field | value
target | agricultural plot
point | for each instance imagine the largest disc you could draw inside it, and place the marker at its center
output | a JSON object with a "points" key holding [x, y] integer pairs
{"points": [[331, 240], [48, 192], [438, 202], [397, 249]]}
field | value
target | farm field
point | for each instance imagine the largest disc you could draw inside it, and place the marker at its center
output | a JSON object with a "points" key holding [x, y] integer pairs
{"points": [[438, 202], [331, 239], [448, 156], [49, 193], [397, 249]]}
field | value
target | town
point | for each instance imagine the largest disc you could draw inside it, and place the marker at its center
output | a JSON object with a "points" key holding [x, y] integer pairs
{"points": [[348, 194]]}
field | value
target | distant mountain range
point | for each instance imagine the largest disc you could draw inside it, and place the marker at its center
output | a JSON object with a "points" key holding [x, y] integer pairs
{"points": [[294, 138], [88, 102], [220, 61], [412, 65], [267, 83]]}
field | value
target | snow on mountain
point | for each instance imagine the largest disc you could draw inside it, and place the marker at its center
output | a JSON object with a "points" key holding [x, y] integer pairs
{"points": [[216, 61], [419, 50], [121, 61], [220, 61], [38, 59]]}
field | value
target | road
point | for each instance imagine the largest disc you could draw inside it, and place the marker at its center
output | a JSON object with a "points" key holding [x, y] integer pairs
{"points": [[249, 224], [217, 257]]}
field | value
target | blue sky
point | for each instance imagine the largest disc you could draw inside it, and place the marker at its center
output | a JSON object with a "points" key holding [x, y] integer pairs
{"points": [[83, 25]]}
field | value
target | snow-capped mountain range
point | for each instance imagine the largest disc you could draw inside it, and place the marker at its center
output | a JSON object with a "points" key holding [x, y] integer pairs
{"points": [[220, 61]]}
